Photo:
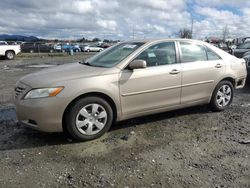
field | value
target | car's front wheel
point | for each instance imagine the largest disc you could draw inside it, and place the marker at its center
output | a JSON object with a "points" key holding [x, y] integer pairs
{"points": [[89, 118], [222, 96]]}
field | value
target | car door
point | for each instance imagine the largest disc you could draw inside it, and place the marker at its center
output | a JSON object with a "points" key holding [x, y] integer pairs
{"points": [[201, 69], [96, 49], [155, 87]]}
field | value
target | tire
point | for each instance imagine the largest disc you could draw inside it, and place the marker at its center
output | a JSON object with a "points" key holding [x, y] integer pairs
{"points": [[222, 96], [88, 50], [9, 55], [51, 51], [31, 51], [89, 118]]}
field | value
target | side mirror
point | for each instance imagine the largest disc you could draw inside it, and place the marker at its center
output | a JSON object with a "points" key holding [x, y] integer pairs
{"points": [[138, 64]]}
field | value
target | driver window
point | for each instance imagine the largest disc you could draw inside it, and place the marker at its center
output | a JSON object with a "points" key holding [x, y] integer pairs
{"points": [[159, 54]]}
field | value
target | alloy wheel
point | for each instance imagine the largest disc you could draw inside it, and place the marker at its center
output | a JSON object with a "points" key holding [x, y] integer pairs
{"points": [[224, 96], [91, 119]]}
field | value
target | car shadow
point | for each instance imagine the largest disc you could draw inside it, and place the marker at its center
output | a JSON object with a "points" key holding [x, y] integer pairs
{"points": [[161, 116], [15, 137]]}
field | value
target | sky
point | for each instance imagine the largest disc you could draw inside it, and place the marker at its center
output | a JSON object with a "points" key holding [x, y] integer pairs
{"points": [[124, 19]]}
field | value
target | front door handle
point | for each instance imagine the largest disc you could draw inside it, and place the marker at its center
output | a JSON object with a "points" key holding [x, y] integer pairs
{"points": [[218, 65], [174, 71]]}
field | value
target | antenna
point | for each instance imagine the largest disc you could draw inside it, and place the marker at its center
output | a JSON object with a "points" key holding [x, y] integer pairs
{"points": [[192, 26], [133, 31]]}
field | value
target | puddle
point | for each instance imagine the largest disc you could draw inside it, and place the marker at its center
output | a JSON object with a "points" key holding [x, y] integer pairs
{"points": [[21, 67], [40, 66]]}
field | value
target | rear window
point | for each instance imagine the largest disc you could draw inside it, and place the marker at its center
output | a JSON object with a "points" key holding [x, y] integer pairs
{"points": [[211, 55], [192, 52]]}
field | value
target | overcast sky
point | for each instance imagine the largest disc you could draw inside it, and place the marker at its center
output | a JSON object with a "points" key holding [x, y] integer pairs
{"points": [[117, 19]]}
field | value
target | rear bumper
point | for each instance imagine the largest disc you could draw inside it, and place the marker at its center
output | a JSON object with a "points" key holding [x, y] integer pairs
{"points": [[240, 82]]}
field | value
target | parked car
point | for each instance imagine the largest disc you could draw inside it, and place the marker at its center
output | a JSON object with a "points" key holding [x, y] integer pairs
{"points": [[68, 47], [13, 42], [247, 58], [77, 46], [3, 43], [9, 51], [30, 47], [128, 80], [241, 50], [224, 47], [92, 48], [104, 45], [57, 47], [82, 47]]}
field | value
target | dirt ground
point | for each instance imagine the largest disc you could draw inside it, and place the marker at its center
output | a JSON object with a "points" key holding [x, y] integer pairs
{"points": [[192, 147]]}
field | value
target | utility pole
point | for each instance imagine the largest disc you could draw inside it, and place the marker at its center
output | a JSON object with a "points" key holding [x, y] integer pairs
{"points": [[224, 33], [192, 27]]}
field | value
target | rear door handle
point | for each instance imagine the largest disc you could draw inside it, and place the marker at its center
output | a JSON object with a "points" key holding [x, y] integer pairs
{"points": [[174, 71], [218, 65]]}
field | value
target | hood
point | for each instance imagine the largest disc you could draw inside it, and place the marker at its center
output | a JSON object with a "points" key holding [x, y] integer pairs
{"points": [[50, 76]]}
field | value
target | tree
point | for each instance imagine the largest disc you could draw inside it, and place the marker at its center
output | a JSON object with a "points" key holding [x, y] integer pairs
{"points": [[106, 40], [82, 40], [185, 33], [96, 40]]}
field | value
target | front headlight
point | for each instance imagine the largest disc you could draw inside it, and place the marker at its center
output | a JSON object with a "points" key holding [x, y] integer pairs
{"points": [[43, 92]]}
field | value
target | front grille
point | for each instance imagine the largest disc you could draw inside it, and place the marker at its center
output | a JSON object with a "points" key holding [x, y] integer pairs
{"points": [[19, 90]]}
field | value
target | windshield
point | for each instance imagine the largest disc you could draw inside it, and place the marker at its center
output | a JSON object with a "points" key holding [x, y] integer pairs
{"points": [[244, 46], [114, 55]]}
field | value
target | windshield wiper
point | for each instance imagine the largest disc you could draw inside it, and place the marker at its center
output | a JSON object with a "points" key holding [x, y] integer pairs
{"points": [[88, 64], [85, 63]]}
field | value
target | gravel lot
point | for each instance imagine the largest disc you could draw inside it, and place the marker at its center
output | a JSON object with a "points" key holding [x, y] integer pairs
{"points": [[186, 148]]}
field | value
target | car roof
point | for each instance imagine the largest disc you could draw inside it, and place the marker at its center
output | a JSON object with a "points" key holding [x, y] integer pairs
{"points": [[165, 39]]}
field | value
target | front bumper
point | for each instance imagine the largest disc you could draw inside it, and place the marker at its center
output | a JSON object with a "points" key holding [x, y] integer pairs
{"points": [[44, 114]]}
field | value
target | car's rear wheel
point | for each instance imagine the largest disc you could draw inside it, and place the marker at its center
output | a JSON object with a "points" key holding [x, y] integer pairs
{"points": [[89, 118], [222, 96], [9, 55]]}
